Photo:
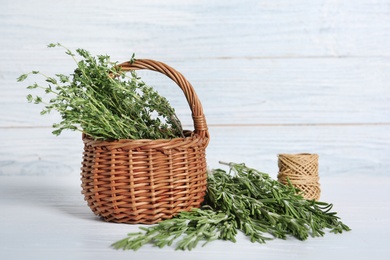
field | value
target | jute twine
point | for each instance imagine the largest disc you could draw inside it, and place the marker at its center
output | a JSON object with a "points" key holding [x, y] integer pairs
{"points": [[302, 171]]}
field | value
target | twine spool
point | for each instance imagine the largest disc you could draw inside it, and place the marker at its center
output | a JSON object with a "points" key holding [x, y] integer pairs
{"points": [[302, 171]]}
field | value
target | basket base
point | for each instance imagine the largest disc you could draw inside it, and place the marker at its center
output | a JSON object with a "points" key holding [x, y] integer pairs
{"points": [[143, 185]]}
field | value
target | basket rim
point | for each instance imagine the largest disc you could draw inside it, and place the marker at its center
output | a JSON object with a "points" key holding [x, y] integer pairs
{"points": [[191, 140]]}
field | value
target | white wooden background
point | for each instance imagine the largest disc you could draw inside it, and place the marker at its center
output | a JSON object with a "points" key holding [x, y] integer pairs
{"points": [[273, 76]]}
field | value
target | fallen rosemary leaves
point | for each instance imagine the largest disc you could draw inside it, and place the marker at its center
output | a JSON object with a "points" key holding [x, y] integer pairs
{"points": [[104, 102], [245, 200]]}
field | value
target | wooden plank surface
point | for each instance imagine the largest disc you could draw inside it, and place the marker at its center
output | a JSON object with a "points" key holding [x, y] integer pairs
{"points": [[344, 150], [303, 91], [45, 217], [199, 29]]}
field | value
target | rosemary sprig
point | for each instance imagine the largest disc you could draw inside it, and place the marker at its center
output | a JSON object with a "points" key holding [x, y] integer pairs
{"points": [[104, 102], [189, 228], [242, 199]]}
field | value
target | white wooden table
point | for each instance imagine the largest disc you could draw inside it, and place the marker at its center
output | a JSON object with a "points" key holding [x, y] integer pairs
{"points": [[46, 218], [273, 77]]}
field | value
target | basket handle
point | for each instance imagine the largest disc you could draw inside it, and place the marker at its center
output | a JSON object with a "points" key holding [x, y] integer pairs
{"points": [[198, 117]]}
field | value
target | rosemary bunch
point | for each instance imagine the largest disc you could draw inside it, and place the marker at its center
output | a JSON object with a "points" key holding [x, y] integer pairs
{"points": [[104, 102], [243, 199], [263, 205]]}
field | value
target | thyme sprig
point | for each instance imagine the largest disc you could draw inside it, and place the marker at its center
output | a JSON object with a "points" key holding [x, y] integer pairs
{"points": [[104, 102], [243, 199]]}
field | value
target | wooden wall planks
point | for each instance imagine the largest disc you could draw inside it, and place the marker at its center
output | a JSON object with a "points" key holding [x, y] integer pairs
{"points": [[259, 68], [205, 28], [346, 150], [298, 91]]}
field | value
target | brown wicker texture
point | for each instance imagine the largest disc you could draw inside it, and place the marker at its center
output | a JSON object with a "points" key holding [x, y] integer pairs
{"points": [[302, 171], [146, 181]]}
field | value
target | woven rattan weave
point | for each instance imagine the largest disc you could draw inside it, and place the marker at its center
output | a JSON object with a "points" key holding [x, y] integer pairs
{"points": [[146, 181]]}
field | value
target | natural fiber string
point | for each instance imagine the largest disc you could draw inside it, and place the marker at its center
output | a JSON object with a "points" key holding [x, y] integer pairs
{"points": [[302, 171]]}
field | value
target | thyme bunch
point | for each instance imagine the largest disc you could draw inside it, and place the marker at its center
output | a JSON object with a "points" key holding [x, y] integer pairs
{"points": [[243, 199], [104, 102]]}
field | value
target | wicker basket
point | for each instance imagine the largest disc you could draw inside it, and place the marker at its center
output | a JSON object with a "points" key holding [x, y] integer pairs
{"points": [[146, 181]]}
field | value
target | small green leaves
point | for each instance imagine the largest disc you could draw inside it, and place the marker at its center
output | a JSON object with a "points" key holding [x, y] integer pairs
{"points": [[37, 100], [106, 108], [35, 85], [51, 80], [25, 76], [22, 77], [29, 98], [68, 52], [44, 112], [62, 78], [188, 229], [132, 59], [52, 45], [57, 132]]}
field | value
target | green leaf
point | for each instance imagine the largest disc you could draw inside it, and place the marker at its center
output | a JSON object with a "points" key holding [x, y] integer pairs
{"points": [[37, 100], [51, 80], [68, 52], [44, 112], [29, 98], [48, 90], [22, 77], [132, 59], [57, 132], [35, 85], [63, 78], [52, 45]]}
